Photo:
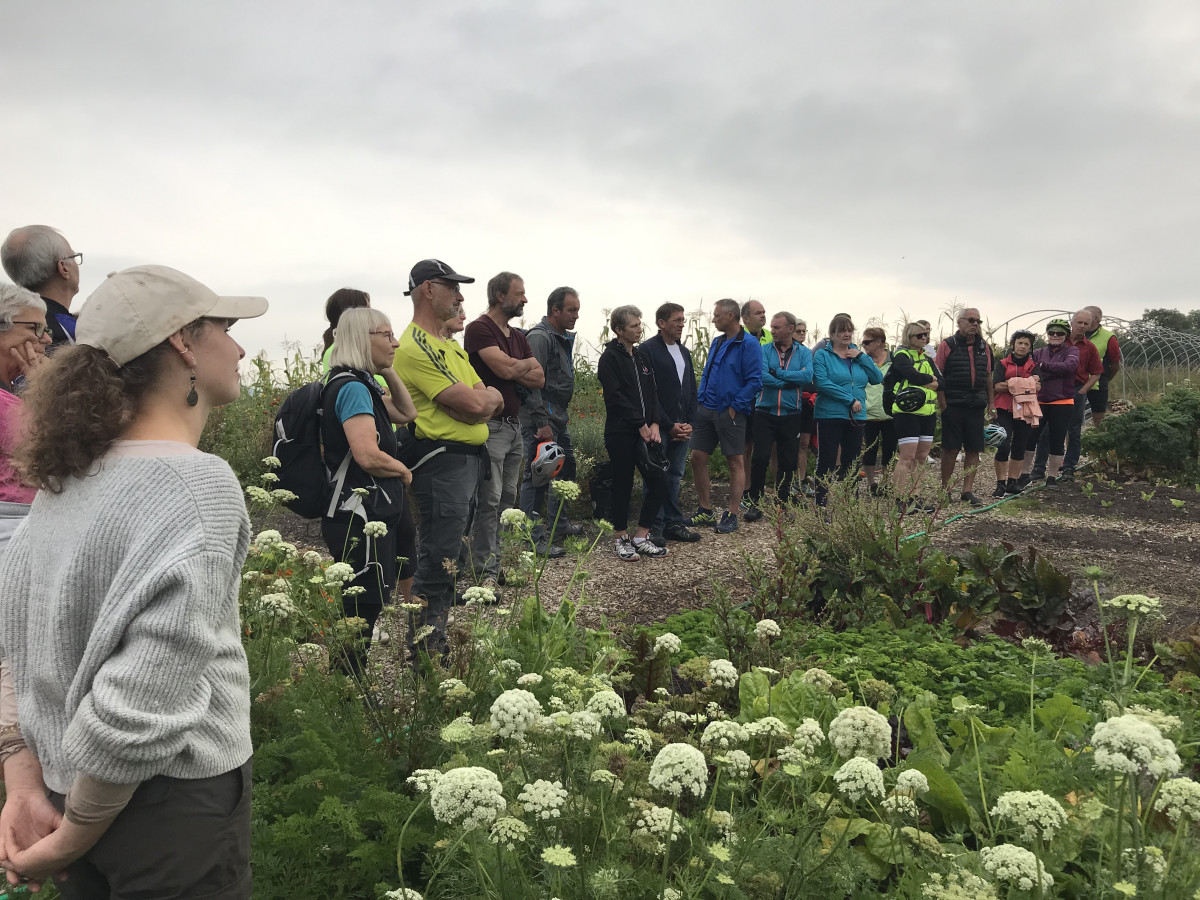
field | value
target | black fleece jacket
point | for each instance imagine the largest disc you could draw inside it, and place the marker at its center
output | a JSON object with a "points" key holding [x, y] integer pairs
{"points": [[630, 395]]}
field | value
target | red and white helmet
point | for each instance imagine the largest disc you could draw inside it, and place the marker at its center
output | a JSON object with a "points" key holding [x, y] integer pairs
{"points": [[547, 463]]}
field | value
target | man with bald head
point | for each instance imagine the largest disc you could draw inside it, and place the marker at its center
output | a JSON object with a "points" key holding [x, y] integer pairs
{"points": [[965, 395], [40, 259]]}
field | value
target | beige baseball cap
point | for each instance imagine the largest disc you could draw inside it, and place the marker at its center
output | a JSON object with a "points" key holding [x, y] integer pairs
{"points": [[136, 309]]}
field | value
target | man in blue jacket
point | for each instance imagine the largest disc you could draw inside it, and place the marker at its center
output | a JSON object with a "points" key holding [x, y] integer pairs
{"points": [[728, 388], [676, 384]]}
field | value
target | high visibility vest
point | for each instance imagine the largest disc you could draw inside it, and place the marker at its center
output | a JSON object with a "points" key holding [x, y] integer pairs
{"points": [[923, 364], [1099, 339]]}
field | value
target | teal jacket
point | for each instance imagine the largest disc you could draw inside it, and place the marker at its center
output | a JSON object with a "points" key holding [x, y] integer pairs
{"points": [[839, 385]]}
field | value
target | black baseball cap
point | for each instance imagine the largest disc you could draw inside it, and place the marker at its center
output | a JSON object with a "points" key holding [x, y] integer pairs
{"points": [[429, 269]]}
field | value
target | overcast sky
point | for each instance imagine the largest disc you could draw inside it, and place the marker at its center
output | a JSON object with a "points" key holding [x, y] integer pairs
{"points": [[871, 157]]}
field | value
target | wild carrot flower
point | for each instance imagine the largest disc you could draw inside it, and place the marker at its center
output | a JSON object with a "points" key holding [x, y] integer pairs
{"points": [[860, 731], [767, 629], [768, 727], [808, 736], [544, 799], [1036, 814], [529, 678], [722, 673], [508, 832], [724, 734], [339, 572], [375, 529], [667, 645], [738, 763], [469, 796], [679, 768], [477, 594], [819, 677], [859, 777], [655, 821], [958, 885], [606, 705], [1130, 745], [514, 711], [568, 490], [1179, 798], [1015, 866], [558, 856], [912, 783], [1135, 605], [513, 518]]}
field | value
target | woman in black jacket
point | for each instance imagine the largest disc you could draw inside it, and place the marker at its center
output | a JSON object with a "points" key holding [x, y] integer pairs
{"points": [[631, 424]]}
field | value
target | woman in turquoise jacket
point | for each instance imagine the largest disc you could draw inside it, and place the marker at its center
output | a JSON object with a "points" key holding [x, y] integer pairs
{"points": [[841, 373]]}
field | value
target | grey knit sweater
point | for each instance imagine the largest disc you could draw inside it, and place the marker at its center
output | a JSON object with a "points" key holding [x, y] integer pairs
{"points": [[119, 617]]}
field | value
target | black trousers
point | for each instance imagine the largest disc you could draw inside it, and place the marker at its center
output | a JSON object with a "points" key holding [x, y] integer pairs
{"points": [[622, 451], [772, 431], [879, 436], [1017, 443], [375, 567], [1057, 419], [833, 435]]}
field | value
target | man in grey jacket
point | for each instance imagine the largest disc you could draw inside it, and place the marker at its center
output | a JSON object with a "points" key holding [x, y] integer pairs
{"points": [[544, 414]]}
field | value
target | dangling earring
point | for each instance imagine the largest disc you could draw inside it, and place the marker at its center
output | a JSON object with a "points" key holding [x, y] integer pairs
{"points": [[193, 398]]}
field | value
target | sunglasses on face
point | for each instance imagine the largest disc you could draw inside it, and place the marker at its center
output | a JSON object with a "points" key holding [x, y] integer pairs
{"points": [[973, 321], [1061, 334], [924, 335]]}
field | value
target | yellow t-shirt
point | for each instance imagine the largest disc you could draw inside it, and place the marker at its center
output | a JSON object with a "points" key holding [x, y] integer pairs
{"points": [[428, 365]]}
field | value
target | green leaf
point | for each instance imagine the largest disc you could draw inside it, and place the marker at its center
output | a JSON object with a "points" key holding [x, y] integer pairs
{"points": [[948, 804], [885, 844], [922, 731], [754, 691], [1062, 716]]}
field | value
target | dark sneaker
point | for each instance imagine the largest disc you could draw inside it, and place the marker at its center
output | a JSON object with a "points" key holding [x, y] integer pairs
{"points": [[1036, 475], [1001, 489], [702, 517], [1013, 486], [877, 490], [752, 514], [728, 523], [568, 529], [552, 552], [745, 504], [1066, 476], [681, 533], [1024, 481], [649, 548], [657, 539], [968, 497], [1051, 481], [623, 547]]}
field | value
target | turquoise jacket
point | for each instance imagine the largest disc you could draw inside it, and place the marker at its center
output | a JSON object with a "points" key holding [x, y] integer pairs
{"points": [[839, 385]]}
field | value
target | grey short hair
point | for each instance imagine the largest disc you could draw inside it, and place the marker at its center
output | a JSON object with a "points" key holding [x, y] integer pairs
{"points": [[787, 317], [620, 316], [800, 322], [30, 255], [729, 306], [13, 299], [352, 338]]}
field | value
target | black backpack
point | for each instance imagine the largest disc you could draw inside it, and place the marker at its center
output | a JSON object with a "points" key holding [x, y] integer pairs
{"points": [[600, 488], [302, 468]]}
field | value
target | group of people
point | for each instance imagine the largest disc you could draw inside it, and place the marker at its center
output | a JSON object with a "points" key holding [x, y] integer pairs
{"points": [[124, 682]]}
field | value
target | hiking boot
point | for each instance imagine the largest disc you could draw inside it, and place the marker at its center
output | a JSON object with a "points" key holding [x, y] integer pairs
{"points": [[969, 497], [623, 547], [752, 514], [681, 533], [728, 523], [1001, 489], [648, 548], [657, 539], [702, 517]]}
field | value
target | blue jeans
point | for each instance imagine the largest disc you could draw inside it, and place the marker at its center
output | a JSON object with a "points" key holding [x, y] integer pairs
{"points": [[670, 513], [533, 499]]}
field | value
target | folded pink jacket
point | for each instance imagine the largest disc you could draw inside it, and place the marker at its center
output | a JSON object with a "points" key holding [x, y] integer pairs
{"points": [[1025, 402]]}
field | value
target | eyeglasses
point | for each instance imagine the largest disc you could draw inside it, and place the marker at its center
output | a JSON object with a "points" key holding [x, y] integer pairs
{"points": [[866, 341], [923, 334], [78, 257], [389, 335], [39, 328], [973, 321], [1056, 334], [452, 285]]}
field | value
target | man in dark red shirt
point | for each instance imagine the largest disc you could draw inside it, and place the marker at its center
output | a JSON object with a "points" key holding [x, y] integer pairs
{"points": [[502, 357], [1089, 372]]}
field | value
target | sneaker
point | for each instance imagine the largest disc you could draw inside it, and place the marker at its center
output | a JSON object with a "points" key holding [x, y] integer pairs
{"points": [[702, 517], [681, 533], [657, 539], [1014, 486], [1024, 481], [1066, 476], [623, 547], [1037, 475], [1001, 489], [745, 504], [1051, 481], [568, 529], [968, 497], [552, 551], [752, 513], [648, 548], [877, 490], [728, 523]]}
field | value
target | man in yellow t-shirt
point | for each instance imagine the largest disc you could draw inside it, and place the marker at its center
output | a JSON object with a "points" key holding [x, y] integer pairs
{"points": [[453, 408]]}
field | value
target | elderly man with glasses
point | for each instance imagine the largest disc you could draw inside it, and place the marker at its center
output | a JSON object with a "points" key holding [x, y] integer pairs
{"points": [[40, 259], [965, 394]]}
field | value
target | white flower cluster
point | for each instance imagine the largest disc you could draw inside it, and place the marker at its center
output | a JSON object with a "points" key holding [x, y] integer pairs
{"points": [[738, 763], [477, 594], [912, 783], [859, 777], [258, 495], [1179, 798], [768, 728], [568, 490], [901, 805], [678, 768], [722, 673], [724, 734], [1129, 745], [458, 731], [767, 629], [680, 718], [514, 711], [1036, 814], [642, 738], [513, 518], [958, 885], [267, 539], [1154, 864], [656, 822], [667, 645], [1016, 866], [375, 529], [583, 725], [808, 736], [278, 605], [819, 677], [860, 731], [469, 796], [508, 666], [339, 572], [423, 780], [1135, 605], [508, 832], [1164, 722], [401, 893], [543, 798], [529, 678], [606, 705], [312, 558]]}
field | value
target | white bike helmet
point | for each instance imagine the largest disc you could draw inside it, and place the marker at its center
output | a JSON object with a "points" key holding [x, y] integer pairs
{"points": [[547, 463], [994, 435]]}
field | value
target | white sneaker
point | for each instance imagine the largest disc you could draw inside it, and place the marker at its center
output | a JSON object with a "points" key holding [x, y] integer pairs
{"points": [[623, 547], [647, 547]]}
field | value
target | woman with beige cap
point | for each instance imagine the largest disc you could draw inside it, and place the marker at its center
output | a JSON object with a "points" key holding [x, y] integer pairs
{"points": [[119, 617]]}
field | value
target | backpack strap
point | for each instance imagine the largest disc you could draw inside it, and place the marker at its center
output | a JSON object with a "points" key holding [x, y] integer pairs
{"points": [[339, 478]]}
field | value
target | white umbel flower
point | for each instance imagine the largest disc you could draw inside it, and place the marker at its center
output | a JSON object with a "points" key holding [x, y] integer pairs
{"points": [[724, 734], [900, 804], [423, 780], [339, 572], [402, 894], [508, 832], [606, 705], [859, 777], [912, 783], [375, 529], [514, 711], [268, 538], [678, 768], [656, 821], [1135, 605], [766, 629], [1015, 866], [1036, 814], [860, 731], [808, 736], [1130, 745], [667, 645], [768, 727], [819, 677], [513, 518], [469, 797], [738, 763], [958, 885], [544, 799], [722, 673], [529, 678], [1179, 798]]}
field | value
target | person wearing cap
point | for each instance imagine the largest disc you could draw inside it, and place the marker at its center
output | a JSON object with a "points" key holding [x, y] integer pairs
{"points": [[1057, 364], [40, 259], [1109, 348], [545, 416], [119, 617], [965, 394], [453, 409], [502, 358], [1091, 370], [1014, 377]]}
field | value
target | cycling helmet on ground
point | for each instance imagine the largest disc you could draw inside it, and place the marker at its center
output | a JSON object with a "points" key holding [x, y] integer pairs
{"points": [[547, 462], [994, 435], [1023, 333], [909, 400]]}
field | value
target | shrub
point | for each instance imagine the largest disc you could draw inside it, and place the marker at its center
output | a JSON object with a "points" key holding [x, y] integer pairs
{"points": [[1161, 437]]}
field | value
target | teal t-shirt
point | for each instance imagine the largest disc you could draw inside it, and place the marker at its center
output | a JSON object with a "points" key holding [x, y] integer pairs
{"points": [[325, 368], [353, 400]]}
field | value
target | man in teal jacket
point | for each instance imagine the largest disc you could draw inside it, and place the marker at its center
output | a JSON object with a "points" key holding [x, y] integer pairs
{"points": [[728, 388]]}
